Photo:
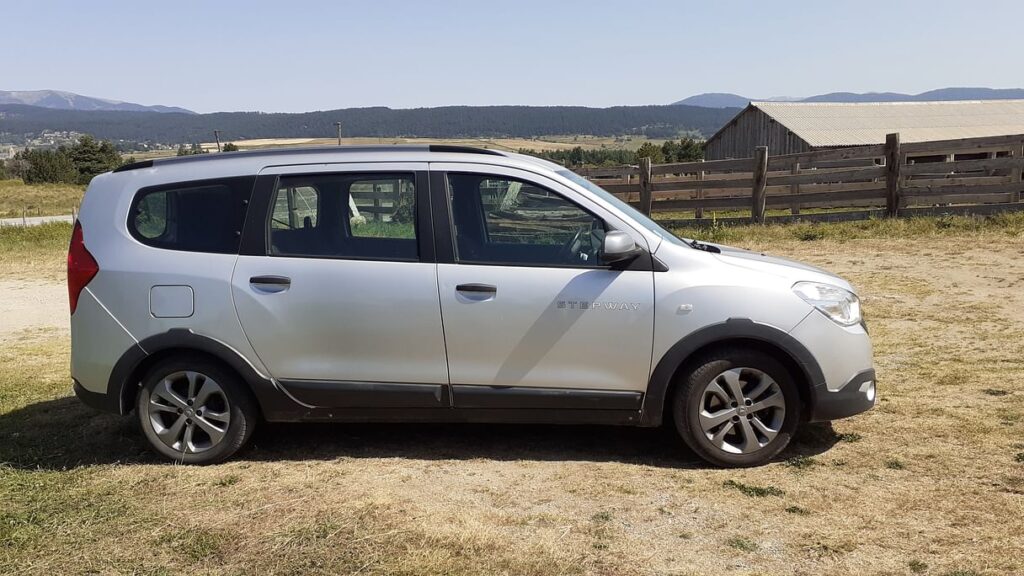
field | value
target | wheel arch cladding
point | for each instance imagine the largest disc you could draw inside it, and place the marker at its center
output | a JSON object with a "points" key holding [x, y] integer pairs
{"points": [[733, 332], [135, 362]]}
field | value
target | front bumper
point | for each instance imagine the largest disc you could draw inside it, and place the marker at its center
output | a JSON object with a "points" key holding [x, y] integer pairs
{"points": [[857, 395]]}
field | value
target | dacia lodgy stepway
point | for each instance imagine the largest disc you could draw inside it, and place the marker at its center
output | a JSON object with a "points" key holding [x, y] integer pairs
{"points": [[438, 283]]}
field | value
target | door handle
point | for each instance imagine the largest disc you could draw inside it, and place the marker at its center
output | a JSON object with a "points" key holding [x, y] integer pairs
{"points": [[270, 284], [477, 288], [271, 280]]}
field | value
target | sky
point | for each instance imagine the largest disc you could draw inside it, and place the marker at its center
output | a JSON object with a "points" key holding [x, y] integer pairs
{"points": [[303, 55]]}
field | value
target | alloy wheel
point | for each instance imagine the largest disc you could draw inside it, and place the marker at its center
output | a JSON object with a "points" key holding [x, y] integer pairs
{"points": [[741, 410], [189, 412]]}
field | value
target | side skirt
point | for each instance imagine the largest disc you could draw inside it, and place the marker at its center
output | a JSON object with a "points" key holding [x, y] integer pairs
{"points": [[400, 402]]}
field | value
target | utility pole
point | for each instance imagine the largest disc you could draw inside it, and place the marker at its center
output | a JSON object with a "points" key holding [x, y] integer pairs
{"points": [[216, 136], [338, 126]]}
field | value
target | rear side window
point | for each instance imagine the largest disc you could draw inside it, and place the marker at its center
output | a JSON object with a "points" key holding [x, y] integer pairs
{"points": [[201, 216], [363, 216]]}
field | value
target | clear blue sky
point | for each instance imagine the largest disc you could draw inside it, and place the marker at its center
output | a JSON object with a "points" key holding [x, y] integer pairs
{"points": [[300, 55]]}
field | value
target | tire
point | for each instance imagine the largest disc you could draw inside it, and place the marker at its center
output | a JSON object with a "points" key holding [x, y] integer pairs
{"points": [[736, 430], [194, 411]]}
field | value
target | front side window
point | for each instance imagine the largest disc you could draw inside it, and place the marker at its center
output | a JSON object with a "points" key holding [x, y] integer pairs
{"points": [[203, 216], [500, 220], [358, 216]]}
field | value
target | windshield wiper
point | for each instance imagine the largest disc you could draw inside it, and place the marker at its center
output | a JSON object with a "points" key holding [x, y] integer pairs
{"points": [[698, 245]]}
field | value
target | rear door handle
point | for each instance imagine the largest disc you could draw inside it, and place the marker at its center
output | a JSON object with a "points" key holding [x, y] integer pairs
{"points": [[271, 280], [270, 284], [477, 288]]}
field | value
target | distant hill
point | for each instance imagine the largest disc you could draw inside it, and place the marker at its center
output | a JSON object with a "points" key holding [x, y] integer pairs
{"points": [[17, 121], [58, 100], [718, 100], [714, 100]]}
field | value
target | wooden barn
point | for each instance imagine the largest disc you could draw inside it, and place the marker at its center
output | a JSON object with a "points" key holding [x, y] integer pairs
{"points": [[790, 127]]}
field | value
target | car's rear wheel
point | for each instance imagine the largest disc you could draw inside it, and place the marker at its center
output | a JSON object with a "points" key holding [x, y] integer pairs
{"points": [[194, 411], [737, 407]]}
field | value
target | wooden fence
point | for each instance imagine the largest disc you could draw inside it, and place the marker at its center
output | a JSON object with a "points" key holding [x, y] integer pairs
{"points": [[972, 175]]}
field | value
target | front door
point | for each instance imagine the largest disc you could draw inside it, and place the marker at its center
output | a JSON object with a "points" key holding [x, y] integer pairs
{"points": [[342, 307], [526, 303]]}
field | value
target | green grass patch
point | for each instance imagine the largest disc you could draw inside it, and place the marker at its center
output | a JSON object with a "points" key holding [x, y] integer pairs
{"points": [[894, 464], [754, 491], [741, 544], [34, 250], [18, 198], [801, 462], [1011, 224], [916, 566]]}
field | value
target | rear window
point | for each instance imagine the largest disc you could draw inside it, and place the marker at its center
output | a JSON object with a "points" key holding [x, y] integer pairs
{"points": [[202, 216]]}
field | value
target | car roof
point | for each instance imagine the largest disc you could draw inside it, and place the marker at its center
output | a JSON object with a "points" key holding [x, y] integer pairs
{"points": [[251, 161]]}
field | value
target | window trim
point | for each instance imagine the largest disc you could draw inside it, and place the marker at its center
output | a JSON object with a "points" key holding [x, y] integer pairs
{"points": [[452, 239], [237, 186], [257, 235]]}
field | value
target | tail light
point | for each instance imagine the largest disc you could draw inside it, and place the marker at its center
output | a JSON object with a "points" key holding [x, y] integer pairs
{"points": [[82, 267]]}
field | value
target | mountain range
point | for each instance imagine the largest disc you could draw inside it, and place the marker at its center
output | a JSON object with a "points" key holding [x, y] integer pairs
{"points": [[58, 100], [19, 122], [25, 115], [727, 100]]}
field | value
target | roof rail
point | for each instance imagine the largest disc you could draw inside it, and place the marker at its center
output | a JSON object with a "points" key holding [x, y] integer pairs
{"points": [[303, 150], [463, 149]]}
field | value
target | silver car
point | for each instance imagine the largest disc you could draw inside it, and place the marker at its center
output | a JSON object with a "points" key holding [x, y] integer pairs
{"points": [[439, 283]]}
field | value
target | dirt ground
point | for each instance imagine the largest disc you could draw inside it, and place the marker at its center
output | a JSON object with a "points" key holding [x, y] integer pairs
{"points": [[931, 481]]}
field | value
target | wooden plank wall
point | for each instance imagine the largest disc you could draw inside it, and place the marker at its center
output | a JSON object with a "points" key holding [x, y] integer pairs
{"points": [[748, 130], [888, 176]]}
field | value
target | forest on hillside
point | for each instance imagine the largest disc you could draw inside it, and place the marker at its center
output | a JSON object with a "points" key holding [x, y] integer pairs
{"points": [[18, 122]]}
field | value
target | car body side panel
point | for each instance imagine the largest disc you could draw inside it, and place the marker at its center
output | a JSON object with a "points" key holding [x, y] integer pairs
{"points": [[700, 291], [843, 351], [99, 340], [344, 320], [130, 269]]}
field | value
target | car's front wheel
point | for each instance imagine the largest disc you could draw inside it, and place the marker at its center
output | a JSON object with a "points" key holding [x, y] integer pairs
{"points": [[194, 411], [736, 407]]}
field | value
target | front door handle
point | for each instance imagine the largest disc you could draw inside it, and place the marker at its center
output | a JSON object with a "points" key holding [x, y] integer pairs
{"points": [[477, 288]]}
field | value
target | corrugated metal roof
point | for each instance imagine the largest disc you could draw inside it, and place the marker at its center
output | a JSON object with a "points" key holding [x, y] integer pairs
{"points": [[855, 124]]}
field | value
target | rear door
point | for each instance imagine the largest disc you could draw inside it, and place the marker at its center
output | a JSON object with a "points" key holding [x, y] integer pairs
{"points": [[528, 307], [336, 287]]}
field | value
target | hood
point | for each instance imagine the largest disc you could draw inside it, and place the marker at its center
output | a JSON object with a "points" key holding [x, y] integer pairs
{"points": [[784, 267]]}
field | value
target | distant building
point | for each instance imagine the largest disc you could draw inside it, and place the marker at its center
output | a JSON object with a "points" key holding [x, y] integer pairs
{"points": [[791, 127], [7, 151]]}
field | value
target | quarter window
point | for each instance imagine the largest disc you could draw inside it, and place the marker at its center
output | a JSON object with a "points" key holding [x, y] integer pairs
{"points": [[203, 216], [359, 216], [501, 220]]}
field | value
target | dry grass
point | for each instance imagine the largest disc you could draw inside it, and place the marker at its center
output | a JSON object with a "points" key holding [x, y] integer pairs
{"points": [[34, 252], [946, 312], [17, 198]]}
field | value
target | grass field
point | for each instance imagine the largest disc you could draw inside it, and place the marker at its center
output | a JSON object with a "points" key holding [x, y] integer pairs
{"points": [[929, 482], [18, 198], [508, 144]]}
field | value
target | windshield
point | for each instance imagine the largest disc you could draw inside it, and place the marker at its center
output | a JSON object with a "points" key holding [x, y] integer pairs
{"points": [[635, 214]]}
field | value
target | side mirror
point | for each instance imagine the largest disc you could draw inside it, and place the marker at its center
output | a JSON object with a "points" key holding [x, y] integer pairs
{"points": [[618, 247]]}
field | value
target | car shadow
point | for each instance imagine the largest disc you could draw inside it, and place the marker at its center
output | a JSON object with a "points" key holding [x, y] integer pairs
{"points": [[63, 434]]}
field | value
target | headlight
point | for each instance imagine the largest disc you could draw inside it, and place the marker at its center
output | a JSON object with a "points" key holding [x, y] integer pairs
{"points": [[842, 306]]}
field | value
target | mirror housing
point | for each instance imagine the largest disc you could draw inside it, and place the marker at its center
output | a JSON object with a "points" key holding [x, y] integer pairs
{"points": [[618, 247]]}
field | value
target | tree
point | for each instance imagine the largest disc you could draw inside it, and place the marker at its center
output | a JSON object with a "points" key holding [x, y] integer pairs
{"points": [[230, 147], [48, 166], [182, 151], [652, 151], [3, 170], [91, 157]]}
